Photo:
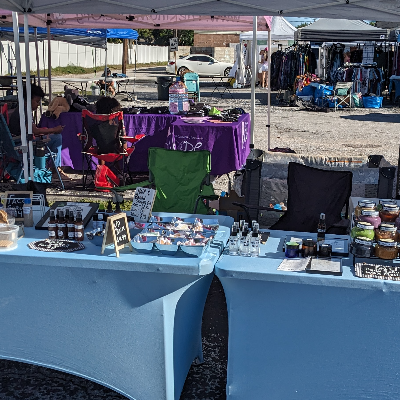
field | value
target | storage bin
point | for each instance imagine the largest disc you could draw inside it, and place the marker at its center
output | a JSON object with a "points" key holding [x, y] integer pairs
{"points": [[372, 101]]}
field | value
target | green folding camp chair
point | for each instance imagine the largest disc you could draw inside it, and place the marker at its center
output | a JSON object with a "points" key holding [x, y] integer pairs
{"points": [[181, 179]]}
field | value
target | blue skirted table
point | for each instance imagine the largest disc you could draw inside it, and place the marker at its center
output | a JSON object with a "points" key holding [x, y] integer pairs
{"points": [[131, 323], [294, 335]]}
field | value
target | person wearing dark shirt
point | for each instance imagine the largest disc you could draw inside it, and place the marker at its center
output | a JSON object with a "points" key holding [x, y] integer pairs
{"points": [[54, 134]]}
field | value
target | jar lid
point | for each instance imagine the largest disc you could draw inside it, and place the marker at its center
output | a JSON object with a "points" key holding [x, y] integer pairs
{"points": [[390, 207], [387, 228], [367, 203], [363, 240], [365, 225], [387, 243], [325, 245], [309, 241], [371, 213], [387, 201]]}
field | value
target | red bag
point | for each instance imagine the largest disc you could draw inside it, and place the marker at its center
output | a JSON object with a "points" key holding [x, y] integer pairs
{"points": [[105, 178]]}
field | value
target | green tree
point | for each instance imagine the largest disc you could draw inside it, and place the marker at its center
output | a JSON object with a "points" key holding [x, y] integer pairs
{"points": [[160, 37], [304, 24]]}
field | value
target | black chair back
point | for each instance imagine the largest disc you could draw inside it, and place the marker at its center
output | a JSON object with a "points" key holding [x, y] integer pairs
{"points": [[312, 191]]}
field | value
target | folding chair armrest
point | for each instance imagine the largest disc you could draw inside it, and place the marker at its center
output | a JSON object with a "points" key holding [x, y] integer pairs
{"points": [[247, 207]]}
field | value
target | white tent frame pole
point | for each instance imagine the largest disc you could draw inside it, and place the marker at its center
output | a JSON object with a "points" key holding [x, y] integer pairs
{"points": [[253, 81], [269, 88], [105, 71], [49, 60], [21, 104], [28, 94], [38, 66]]}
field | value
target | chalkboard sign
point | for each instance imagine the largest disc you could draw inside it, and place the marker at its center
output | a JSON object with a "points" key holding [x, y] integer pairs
{"points": [[142, 204], [117, 233], [16, 200]]}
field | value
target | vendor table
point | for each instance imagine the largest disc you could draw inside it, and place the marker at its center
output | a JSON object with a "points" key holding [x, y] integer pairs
{"points": [[294, 335], [131, 323], [155, 127], [229, 143]]}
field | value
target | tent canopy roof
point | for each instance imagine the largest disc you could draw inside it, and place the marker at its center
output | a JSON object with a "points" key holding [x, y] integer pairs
{"points": [[381, 10], [340, 30], [87, 37], [280, 30]]}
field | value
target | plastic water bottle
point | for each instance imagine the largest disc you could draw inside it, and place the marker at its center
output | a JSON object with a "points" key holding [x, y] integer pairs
{"points": [[178, 97], [233, 242], [28, 213]]}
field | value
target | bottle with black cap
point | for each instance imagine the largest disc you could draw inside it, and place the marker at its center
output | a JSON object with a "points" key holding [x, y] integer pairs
{"points": [[233, 241], [244, 241], [255, 241]]}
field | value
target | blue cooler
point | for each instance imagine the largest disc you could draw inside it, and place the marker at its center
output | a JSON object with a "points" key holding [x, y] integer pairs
{"points": [[372, 101]]}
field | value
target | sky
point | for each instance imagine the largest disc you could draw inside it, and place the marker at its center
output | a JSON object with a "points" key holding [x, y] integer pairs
{"points": [[297, 21]]}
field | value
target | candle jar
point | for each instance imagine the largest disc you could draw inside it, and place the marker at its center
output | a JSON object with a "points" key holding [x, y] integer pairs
{"points": [[386, 231], [309, 248], [362, 247], [385, 201], [364, 204], [292, 249], [325, 250], [370, 216], [363, 229], [386, 249], [389, 212]]}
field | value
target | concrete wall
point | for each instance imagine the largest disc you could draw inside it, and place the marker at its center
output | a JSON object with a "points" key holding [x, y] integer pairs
{"points": [[64, 54]]}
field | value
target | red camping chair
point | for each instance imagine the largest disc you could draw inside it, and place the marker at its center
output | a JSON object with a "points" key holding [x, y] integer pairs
{"points": [[108, 132]]}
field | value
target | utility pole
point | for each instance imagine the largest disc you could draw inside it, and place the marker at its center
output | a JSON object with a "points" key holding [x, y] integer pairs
{"points": [[124, 55]]}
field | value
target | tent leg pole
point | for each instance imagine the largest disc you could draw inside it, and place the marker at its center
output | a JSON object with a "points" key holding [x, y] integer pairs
{"points": [[253, 81], [269, 88], [28, 94], [38, 67], [49, 60], [105, 72], [21, 105]]}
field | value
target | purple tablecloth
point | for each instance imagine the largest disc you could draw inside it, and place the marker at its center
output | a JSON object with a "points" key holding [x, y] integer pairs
{"points": [[155, 126], [229, 143]]}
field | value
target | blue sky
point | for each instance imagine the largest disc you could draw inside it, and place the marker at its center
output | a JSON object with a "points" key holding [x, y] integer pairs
{"points": [[297, 21]]}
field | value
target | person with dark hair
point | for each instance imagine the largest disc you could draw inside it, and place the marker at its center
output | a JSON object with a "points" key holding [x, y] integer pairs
{"points": [[107, 105], [110, 82], [54, 134]]}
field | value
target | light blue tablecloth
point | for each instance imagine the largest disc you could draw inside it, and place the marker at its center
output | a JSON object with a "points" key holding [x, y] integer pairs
{"points": [[131, 323], [298, 336]]}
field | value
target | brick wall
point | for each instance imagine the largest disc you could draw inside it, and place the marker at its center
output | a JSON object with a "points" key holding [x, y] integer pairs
{"points": [[215, 40]]}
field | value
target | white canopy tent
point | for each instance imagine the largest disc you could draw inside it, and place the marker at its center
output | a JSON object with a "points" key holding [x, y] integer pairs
{"points": [[280, 30]]}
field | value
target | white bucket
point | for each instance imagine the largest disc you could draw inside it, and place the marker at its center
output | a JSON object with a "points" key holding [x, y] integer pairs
{"points": [[96, 91]]}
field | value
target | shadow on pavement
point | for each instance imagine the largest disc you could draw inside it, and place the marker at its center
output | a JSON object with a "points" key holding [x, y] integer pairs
{"points": [[374, 117]]}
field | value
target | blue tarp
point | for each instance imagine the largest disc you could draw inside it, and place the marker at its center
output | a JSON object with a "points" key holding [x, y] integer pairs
{"points": [[88, 37]]}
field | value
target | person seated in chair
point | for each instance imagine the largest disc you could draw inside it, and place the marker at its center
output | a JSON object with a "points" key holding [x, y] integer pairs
{"points": [[107, 140], [54, 134], [110, 82]]}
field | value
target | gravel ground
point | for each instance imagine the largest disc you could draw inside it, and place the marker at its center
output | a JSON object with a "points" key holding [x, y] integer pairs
{"points": [[356, 132]]}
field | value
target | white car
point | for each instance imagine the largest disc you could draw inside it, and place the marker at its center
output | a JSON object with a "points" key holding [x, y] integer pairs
{"points": [[202, 64]]}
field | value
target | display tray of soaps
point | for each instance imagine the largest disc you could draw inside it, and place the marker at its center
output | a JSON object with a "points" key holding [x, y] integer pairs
{"points": [[167, 235], [339, 246]]}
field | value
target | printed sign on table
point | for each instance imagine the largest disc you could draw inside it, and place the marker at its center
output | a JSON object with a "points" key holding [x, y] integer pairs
{"points": [[117, 233], [173, 44], [142, 204]]}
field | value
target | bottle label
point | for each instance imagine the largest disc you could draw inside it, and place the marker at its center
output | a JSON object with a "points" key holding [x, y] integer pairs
{"points": [[78, 227], [27, 210], [51, 225], [60, 234], [52, 234], [78, 234], [71, 235], [100, 216], [71, 226]]}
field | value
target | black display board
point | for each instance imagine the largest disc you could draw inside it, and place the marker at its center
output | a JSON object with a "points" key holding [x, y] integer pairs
{"points": [[117, 233]]}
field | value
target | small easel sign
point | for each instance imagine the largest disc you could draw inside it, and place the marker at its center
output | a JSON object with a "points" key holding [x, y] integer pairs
{"points": [[117, 233], [142, 204]]}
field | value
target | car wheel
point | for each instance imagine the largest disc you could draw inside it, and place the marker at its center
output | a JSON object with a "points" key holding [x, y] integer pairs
{"points": [[227, 71], [182, 70]]}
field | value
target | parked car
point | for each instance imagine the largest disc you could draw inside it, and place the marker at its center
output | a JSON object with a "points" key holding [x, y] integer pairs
{"points": [[202, 64]]}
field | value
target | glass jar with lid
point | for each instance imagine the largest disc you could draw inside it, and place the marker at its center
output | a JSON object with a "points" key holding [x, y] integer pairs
{"points": [[389, 212], [362, 247], [364, 204], [386, 249], [309, 248], [363, 229], [386, 231], [385, 201], [370, 216]]}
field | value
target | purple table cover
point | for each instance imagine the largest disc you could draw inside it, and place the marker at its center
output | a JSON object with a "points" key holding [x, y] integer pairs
{"points": [[155, 126], [229, 143]]}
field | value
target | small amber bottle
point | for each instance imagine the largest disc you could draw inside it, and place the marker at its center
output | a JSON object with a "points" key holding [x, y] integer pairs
{"points": [[71, 226], [52, 226], [61, 226]]}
